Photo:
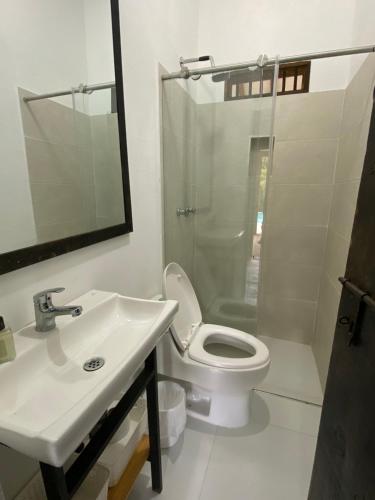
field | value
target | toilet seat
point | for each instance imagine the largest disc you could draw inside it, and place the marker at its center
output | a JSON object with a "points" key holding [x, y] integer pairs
{"points": [[191, 335], [231, 337]]}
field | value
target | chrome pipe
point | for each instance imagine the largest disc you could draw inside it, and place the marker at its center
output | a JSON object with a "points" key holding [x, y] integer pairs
{"points": [[81, 89], [186, 73]]}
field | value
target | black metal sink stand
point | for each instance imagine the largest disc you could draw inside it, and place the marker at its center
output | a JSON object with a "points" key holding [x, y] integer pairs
{"points": [[61, 485]]}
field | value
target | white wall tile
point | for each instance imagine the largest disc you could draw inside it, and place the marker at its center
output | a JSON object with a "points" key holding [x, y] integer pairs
{"points": [[294, 244], [299, 205], [351, 152], [178, 126], [288, 319], [309, 116], [343, 207], [304, 161], [292, 281], [325, 326], [358, 95], [336, 256]]}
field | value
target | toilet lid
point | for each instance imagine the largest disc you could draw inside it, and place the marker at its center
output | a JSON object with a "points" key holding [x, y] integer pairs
{"points": [[177, 286]]}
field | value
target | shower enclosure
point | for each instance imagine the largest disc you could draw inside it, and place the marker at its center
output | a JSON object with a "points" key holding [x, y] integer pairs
{"points": [[259, 202], [216, 156]]}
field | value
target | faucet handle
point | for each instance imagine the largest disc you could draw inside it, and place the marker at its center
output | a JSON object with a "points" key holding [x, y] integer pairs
{"points": [[44, 296]]}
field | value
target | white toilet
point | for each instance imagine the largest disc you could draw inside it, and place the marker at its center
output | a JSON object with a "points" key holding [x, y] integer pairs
{"points": [[218, 365]]}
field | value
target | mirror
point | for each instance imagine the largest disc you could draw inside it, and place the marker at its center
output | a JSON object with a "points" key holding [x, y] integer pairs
{"points": [[64, 180]]}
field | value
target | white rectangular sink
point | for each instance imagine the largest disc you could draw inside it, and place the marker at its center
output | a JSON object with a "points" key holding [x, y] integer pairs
{"points": [[48, 402]]}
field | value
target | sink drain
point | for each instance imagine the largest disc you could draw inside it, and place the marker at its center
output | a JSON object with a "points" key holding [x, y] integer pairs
{"points": [[93, 364]]}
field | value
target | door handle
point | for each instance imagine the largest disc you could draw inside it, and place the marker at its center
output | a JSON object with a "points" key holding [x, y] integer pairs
{"points": [[355, 319]]}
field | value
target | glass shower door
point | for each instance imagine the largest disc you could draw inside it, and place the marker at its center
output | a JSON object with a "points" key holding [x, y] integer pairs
{"points": [[216, 156]]}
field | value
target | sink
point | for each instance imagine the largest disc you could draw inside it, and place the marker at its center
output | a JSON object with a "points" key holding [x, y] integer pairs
{"points": [[48, 401]]}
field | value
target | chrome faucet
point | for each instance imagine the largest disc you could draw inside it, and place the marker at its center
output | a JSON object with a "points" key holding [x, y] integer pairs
{"points": [[46, 312]]}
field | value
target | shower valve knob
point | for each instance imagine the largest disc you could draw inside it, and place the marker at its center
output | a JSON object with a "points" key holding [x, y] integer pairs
{"points": [[185, 211], [181, 211]]}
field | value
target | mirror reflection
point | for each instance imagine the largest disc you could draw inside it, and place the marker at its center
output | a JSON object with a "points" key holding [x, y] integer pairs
{"points": [[60, 165]]}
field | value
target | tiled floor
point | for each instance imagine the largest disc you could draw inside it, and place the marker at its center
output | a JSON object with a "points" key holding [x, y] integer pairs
{"points": [[293, 372], [270, 459]]}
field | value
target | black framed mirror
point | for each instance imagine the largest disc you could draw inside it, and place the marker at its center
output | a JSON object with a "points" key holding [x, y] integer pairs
{"points": [[64, 176]]}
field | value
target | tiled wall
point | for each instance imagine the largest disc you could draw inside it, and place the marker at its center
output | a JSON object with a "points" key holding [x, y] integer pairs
{"points": [[74, 169], [300, 191], [179, 118], [351, 151], [108, 189], [226, 212], [215, 246]]}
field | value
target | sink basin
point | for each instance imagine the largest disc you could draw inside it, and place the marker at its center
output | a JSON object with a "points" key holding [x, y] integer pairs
{"points": [[48, 401]]}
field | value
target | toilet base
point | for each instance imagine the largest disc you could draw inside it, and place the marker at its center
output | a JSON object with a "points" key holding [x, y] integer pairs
{"points": [[230, 410]]}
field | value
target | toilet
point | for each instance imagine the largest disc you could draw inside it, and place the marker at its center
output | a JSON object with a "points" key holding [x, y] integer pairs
{"points": [[219, 366]]}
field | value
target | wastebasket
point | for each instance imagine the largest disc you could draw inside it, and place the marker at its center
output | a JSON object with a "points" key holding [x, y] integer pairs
{"points": [[172, 412]]}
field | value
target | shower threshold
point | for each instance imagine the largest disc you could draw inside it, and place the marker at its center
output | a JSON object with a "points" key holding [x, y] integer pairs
{"points": [[293, 372]]}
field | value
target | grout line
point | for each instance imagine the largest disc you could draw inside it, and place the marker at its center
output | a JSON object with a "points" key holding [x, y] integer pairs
{"points": [[208, 463], [290, 397]]}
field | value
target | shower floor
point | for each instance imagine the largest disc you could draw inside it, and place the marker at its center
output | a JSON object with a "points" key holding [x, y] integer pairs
{"points": [[293, 372]]}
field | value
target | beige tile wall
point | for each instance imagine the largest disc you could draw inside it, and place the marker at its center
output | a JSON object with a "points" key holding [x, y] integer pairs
{"points": [[223, 241], [74, 169], [352, 147], [179, 118], [307, 129], [309, 210], [107, 173], [301, 189]]}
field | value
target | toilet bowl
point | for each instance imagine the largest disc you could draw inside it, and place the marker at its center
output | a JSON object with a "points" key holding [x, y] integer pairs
{"points": [[219, 366]]}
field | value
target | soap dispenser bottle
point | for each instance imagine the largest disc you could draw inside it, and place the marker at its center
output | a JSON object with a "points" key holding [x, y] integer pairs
{"points": [[7, 347]]}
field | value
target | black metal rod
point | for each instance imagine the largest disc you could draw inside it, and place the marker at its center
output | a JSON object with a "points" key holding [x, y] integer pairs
{"points": [[87, 459], [153, 424], [54, 482], [352, 288]]}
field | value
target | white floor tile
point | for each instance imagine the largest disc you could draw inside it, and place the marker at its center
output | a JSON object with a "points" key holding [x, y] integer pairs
{"points": [[287, 413], [184, 466], [263, 463], [270, 459], [293, 372]]}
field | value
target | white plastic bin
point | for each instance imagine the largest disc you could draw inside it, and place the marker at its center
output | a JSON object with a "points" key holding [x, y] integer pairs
{"points": [[172, 412]]}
